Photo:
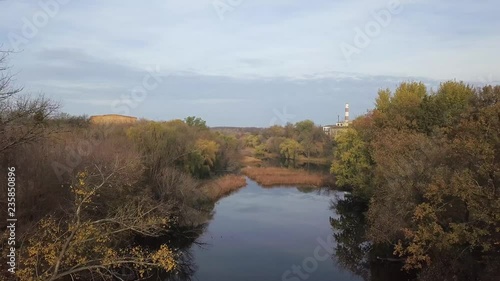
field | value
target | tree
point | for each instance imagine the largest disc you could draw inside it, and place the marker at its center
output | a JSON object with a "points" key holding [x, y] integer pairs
{"points": [[304, 127], [274, 131], [428, 165], [289, 149], [459, 214], [400, 110], [83, 245], [405, 163], [196, 122], [6, 88], [352, 165], [228, 156], [202, 159], [273, 144], [308, 136], [252, 141], [163, 144], [383, 101], [22, 119], [260, 151]]}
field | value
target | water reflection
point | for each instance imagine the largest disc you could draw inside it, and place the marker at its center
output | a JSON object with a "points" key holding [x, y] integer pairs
{"points": [[349, 231], [270, 234], [353, 251], [274, 233], [304, 165], [184, 240]]}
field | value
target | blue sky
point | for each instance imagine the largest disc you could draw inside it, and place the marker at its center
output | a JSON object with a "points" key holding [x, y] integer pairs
{"points": [[243, 62]]}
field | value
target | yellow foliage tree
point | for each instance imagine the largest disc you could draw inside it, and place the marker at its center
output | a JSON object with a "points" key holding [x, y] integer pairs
{"points": [[82, 245], [202, 158]]}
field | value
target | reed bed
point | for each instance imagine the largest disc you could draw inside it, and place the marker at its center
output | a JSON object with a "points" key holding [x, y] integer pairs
{"points": [[223, 186], [275, 176], [251, 161]]}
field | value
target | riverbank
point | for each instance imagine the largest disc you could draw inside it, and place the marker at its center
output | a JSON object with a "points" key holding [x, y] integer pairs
{"points": [[223, 186], [275, 176]]}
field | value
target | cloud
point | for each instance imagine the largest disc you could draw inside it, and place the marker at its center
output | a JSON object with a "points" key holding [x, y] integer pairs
{"points": [[86, 84], [265, 55]]}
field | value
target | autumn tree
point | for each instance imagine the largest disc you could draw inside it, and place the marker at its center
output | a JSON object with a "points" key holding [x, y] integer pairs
{"points": [[252, 141], [228, 156], [274, 131], [401, 108], [163, 144], [427, 163], [202, 159], [305, 136], [290, 148], [83, 245], [402, 172], [273, 144], [352, 166], [459, 214]]}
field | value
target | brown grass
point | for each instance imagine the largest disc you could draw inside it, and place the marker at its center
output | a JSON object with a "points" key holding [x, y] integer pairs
{"points": [[223, 186], [274, 176], [312, 160], [250, 161]]}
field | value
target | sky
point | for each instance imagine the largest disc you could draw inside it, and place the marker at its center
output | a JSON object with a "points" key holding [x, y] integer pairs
{"points": [[243, 62]]}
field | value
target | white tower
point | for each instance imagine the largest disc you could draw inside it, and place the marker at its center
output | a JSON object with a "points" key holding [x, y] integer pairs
{"points": [[346, 119]]}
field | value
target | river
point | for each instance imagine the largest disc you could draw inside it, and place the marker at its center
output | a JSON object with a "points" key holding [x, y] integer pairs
{"points": [[270, 234]]}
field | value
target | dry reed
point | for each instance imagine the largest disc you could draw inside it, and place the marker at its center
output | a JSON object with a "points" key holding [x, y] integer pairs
{"points": [[274, 176], [223, 186]]}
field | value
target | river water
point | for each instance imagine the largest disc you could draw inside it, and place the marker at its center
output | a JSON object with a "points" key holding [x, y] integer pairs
{"points": [[270, 234]]}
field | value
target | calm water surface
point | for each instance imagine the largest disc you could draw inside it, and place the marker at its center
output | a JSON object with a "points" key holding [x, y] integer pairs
{"points": [[261, 233]]}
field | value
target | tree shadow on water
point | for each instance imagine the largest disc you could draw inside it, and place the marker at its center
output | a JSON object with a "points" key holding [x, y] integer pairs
{"points": [[182, 241], [353, 251]]}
